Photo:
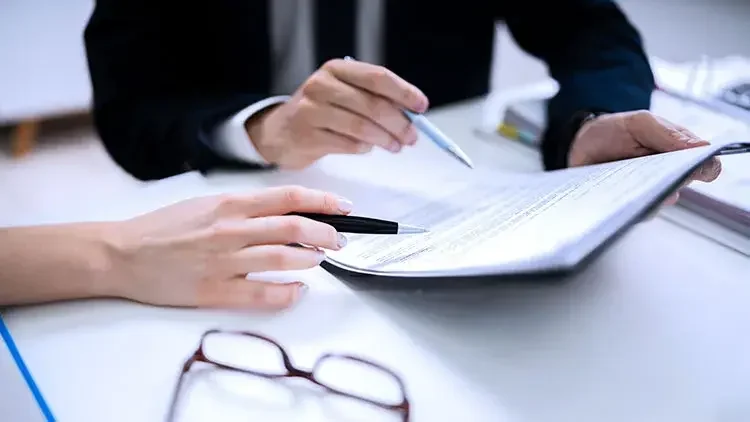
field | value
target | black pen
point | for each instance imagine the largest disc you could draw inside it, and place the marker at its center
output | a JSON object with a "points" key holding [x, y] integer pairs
{"points": [[362, 225]]}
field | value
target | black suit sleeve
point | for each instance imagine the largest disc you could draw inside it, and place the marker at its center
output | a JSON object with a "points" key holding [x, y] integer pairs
{"points": [[593, 52], [165, 73]]}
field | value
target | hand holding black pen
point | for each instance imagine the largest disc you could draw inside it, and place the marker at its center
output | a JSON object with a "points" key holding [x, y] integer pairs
{"points": [[362, 225]]}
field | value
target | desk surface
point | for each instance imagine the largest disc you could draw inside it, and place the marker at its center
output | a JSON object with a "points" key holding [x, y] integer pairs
{"points": [[655, 329]]}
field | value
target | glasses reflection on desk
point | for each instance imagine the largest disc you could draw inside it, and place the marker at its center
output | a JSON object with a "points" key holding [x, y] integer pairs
{"points": [[255, 372]]}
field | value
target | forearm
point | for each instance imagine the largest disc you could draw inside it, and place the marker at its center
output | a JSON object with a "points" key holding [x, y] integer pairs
{"points": [[162, 82], [157, 138], [626, 86], [55, 262], [596, 56]]}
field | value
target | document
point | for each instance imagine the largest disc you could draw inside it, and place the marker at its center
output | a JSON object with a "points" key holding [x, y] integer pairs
{"points": [[496, 223]]}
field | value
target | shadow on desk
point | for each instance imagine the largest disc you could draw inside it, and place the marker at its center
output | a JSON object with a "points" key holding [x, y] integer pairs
{"points": [[587, 348]]}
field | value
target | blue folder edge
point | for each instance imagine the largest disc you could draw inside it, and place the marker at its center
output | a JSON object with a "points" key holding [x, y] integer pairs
{"points": [[5, 334]]}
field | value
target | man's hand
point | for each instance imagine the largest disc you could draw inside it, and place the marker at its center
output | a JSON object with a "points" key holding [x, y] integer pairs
{"points": [[633, 134], [345, 107]]}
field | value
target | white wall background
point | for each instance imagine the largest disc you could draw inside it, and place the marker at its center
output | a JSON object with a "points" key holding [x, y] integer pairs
{"points": [[677, 30], [42, 62], [43, 68]]}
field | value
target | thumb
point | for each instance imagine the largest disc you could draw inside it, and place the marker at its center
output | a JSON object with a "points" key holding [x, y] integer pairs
{"points": [[659, 134], [241, 293]]}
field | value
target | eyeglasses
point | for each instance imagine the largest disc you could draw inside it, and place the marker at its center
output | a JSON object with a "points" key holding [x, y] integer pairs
{"points": [[260, 356]]}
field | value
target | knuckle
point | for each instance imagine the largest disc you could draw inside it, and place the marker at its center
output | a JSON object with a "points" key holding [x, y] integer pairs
{"points": [[292, 229], [279, 258], [380, 75], [306, 104], [640, 116], [358, 127], [222, 231], [330, 202], [306, 109], [226, 203], [378, 107], [675, 134], [294, 196], [332, 64], [408, 97], [313, 85]]}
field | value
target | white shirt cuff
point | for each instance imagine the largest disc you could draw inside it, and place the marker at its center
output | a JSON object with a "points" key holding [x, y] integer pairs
{"points": [[231, 137]]}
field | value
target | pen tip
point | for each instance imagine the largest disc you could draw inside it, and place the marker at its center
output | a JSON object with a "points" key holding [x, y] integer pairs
{"points": [[466, 161], [406, 229], [462, 157]]}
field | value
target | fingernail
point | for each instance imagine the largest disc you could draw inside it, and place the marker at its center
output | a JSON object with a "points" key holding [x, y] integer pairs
{"points": [[690, 138], [321, 257], [342, 241], [394, 146], [300, 291], [302, 288], [345, 205]]}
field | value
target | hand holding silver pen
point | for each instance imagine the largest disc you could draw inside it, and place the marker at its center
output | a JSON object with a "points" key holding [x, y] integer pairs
{"points": [[345, 107], [435, 135]]}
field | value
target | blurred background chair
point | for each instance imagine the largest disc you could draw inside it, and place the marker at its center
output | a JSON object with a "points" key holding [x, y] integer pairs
{"points": [[43, 71]]}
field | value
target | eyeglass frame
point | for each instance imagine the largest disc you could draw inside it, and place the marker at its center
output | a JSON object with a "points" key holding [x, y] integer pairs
{"points": [[291, 372]]}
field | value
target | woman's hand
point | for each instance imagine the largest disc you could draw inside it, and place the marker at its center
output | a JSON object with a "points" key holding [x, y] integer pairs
{"points": [[198, 252]]}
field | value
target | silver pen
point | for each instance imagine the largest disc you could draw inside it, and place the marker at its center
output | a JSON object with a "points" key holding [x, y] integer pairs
{"points": [[436, 135]]}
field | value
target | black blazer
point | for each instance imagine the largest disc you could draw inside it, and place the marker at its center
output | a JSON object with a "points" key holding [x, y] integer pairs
{"points": [[165, 72]]}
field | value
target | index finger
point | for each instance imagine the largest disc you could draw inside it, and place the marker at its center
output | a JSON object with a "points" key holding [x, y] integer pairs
{"points": [[286, 199], [659, 134], [380, 81]]}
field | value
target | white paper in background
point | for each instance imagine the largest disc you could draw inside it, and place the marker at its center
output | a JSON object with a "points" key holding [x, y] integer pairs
{"points": [[703, 78], [707, 124], [489, 221], [700, 225]]}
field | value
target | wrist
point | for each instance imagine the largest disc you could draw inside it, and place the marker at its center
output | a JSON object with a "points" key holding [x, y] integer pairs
{"points": [[260, 129], [579, 124], [55, 262], [105, 268]]}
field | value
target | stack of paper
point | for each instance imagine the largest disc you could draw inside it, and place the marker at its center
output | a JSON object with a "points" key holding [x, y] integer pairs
{"points": [[697, 86]]}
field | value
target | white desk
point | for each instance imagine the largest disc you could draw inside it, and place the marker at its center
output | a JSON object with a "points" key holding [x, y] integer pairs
{"points": [[656, 329]]}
